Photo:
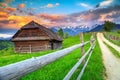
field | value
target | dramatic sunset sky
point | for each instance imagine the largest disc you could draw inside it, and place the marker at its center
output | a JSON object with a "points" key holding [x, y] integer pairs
{"points": [[16, 13]]}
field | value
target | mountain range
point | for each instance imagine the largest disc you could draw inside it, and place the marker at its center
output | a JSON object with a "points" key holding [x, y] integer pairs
{"points": [[76, 30], [66, 29], [98, 28]]}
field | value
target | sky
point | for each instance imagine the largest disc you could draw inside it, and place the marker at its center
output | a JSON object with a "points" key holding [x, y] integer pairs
{"points": [[52, 13]]}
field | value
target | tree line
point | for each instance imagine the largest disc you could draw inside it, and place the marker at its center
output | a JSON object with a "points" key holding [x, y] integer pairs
{"points": [[109, 26], [62, 34]]}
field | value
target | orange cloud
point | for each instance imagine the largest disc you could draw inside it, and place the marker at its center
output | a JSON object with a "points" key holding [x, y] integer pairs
{"points": [[52, 17], [3, 14], [21, 5], [8, 1], [49, 5], [9, 9], [22, 20]]}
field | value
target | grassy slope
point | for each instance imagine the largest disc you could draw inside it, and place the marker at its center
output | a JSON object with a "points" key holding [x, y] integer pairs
{"points": [[5, 44], [114, 34], [58, 69]]}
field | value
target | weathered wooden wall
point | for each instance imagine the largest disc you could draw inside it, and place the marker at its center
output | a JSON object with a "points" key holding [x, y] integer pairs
{"points": [[57, 45], [31, 46]]}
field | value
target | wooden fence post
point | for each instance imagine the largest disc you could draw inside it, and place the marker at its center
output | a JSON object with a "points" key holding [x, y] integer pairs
{"points": [[94, 35], [82, 47], [92, 39]]}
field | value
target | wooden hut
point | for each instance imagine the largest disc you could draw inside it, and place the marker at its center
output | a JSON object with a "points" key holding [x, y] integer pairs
{"points": [[34, 37]]}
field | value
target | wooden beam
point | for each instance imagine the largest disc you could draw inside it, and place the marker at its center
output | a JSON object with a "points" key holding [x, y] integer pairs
{"points": [[82, 47], [92, 38]]}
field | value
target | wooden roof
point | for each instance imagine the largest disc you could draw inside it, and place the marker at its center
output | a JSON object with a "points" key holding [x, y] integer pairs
{"points": [[33, 25]]}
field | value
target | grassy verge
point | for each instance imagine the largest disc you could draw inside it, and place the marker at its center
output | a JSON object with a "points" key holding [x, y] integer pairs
{"points": [[58, 69], [116, 53], [114, 34]]}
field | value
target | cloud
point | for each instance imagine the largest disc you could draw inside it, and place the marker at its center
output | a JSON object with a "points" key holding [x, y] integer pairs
{"points": [[4, 21], [84, 5], [5, 35], [8, 1], [9, 9], [98, 16], [21, 6], [15, 21], [50, 5], [91, 17], [105, 3], [103, 17], [52, 17], [3, 14], [57, 4], [6, 24], [3, 4]]}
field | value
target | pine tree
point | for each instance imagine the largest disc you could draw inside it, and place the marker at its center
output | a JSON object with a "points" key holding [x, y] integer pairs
{"points": [[60, 32], [66, 35], [108, 26]]}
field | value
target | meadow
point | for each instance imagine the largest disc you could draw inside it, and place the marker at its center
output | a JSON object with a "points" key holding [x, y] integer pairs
{"points": [[58, 69]]}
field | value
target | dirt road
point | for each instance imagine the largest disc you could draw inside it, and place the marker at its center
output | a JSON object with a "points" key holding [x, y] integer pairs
{"points": [[112, 64]]}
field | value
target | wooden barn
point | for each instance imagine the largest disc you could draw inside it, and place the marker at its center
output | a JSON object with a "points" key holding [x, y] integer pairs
{"points": [[34, 37]]}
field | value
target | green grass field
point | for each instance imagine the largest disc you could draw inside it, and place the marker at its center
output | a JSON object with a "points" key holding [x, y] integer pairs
{"points": [[58, 69]]}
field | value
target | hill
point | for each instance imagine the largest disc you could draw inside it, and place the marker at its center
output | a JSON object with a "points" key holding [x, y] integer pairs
{"points": [[5, 44], [98, 28]]}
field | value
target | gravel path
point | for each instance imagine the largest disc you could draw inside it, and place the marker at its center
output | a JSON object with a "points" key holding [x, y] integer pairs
{"points": [[111, 63]]}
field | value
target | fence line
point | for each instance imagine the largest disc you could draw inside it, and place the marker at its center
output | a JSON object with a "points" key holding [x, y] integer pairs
{"points": [[82, 71], [16, 70], [70, 73]]}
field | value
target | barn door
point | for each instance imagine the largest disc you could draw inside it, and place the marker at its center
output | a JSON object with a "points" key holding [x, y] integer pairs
{"points": [[52, 45]]}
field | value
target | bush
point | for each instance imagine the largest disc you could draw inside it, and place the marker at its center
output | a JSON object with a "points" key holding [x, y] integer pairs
{"points": [[118, 31]]}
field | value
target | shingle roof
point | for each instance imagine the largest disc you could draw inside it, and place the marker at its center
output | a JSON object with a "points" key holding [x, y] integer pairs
{"points": [[32, 25]]}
